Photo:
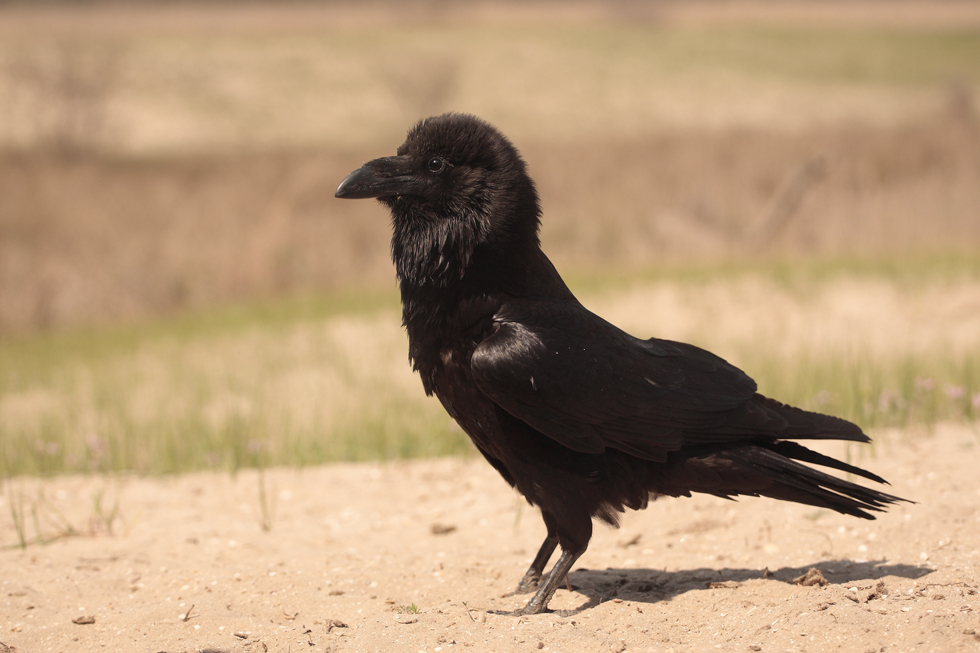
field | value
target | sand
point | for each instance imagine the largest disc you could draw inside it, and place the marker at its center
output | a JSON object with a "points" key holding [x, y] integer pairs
{"points": [[185, 565]]}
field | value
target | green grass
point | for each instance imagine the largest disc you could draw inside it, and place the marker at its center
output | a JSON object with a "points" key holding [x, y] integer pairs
{"points": [[313, 380], [34, 356], [901, 391], [285, 382]]}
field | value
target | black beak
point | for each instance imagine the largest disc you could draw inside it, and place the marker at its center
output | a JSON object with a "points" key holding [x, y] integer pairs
{"points": [[386, 177]]}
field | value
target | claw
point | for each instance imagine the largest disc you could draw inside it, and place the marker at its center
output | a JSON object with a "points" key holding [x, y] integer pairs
{"points": [[528, 584]]}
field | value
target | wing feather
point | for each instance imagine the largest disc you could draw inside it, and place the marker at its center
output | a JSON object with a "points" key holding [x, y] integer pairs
{"points": [[589, 385]]}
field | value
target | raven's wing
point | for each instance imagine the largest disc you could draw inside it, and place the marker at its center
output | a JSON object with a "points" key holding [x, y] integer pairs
{"points": [[589, 385]]}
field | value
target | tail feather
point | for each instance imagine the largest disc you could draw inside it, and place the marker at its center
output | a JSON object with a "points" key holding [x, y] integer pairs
{"points": [[793, 481], [802, 424], [771, 471], [797, 451]]}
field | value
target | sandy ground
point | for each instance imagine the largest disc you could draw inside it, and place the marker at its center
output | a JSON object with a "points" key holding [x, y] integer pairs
{"points": [[189, 568]]}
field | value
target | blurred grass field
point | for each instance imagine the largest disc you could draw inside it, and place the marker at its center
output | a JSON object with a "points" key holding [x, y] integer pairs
{"points": [[180, 290], [158, 160], [305, 382], [135, 82]]}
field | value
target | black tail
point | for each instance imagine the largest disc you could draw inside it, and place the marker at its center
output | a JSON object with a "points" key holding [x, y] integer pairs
{"points": [[798, 424], [772, 470], [795, 482]]}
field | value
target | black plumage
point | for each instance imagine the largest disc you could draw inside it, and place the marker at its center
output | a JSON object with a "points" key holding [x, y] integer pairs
{"points": [[582, 418]]}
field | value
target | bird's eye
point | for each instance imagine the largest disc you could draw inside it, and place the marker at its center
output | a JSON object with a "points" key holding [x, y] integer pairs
{"points": [[436, 164]]}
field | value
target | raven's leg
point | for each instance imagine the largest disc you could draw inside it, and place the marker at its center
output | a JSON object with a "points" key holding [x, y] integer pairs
{"points": [[533, 576], [557, 575], [574, 541]]}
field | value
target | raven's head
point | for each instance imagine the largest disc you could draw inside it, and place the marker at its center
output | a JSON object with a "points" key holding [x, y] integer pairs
{"points": [[457, 190]]}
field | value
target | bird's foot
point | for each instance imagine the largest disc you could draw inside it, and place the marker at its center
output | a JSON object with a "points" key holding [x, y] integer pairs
{"points": [[528, 584], [533, 607]]}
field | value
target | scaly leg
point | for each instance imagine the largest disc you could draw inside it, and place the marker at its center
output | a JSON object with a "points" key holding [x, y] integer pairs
{"points": [[532, 578], [557, 575]]}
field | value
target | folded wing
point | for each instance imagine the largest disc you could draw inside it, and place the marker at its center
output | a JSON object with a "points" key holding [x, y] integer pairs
{"points": [[590, 386]]}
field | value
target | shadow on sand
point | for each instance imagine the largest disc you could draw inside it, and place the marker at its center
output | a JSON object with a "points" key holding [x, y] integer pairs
{"points": [[653, 586]]}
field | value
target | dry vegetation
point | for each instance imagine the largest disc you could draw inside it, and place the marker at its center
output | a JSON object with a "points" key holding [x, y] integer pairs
{"points": [[152, 166], [315, 386], [189, 231], [161, 161]]}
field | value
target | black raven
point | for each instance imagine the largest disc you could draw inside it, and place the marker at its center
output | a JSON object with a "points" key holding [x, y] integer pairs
{"points": [[582, 418]]}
